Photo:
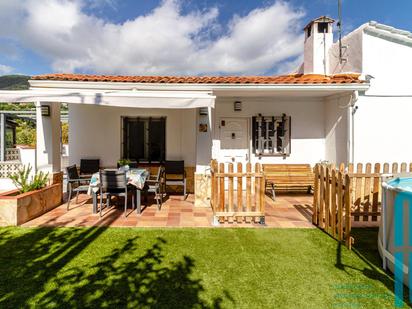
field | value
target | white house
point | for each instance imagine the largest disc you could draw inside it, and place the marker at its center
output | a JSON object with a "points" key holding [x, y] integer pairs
{"points": [[331, 109]]}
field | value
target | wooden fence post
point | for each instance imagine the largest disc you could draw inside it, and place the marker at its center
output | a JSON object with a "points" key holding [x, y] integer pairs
{"points": [[340, 207], [347, 212], [315, 210], [230, 191], [327, 200], [366, 196], [239, 191], [333, 203], [322, 197], [394, 167], [403, 167], [386, 168], [222, 191], [248, 189], [257, 189], [342, 167], [376, 191], [358, 192], [212, 185]]}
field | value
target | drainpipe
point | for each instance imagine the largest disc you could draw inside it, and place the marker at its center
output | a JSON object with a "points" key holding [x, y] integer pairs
{"points": [[351, 126]]}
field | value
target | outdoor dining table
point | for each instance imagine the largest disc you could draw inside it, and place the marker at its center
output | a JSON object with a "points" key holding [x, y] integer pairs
{"points": [[135, 177]]}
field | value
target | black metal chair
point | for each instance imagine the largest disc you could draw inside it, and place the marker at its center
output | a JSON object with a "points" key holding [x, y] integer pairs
{"points": [[177, 169], [89, 166], [155, 184], [75, 183], [114, 183]]}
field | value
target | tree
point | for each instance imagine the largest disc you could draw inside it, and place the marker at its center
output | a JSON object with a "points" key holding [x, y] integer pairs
{"points": [[25, 133], [65, 133]]}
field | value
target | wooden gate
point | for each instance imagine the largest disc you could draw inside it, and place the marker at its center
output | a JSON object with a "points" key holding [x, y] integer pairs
{"points": [[237, 195], [331, 203]]}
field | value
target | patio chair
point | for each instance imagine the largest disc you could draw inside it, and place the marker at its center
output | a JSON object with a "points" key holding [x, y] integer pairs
{"points": [[89, 166], [155, 184], [75, 184], [177, 169], [114, 183]]}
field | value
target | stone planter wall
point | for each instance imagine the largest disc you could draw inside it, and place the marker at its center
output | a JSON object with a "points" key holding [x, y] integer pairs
{"points": [[202, 190], [20, 208]]}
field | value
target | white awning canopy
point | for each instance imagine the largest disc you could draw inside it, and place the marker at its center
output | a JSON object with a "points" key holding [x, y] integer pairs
{"points": [[120, 98]]}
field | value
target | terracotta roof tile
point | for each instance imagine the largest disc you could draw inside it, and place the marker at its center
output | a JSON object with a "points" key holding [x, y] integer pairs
{"points": [[281, 79]]}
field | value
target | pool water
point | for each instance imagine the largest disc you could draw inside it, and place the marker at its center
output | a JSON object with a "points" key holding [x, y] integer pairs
{"points": [[402, 183]]}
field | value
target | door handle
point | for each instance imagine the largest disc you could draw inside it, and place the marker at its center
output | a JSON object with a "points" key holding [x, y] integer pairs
{"points": [[247, 157]]}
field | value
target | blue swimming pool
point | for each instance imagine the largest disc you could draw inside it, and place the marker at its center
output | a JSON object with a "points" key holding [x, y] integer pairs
{"points": [[404, 183], [396, 224]]}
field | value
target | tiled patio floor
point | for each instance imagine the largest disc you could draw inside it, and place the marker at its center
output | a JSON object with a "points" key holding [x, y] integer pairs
{"points": [[286, 212]]}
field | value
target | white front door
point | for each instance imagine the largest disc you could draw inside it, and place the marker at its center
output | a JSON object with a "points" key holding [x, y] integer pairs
{"points": [[234, 140]]}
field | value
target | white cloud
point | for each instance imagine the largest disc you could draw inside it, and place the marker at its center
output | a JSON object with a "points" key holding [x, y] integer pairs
{"points": [[290, 66], [5, 69], [165, 41]]}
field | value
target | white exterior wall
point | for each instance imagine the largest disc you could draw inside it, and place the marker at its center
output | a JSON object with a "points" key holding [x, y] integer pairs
{"points": [[28, 156], [48, 138], [307, 125], [336, 129], [383, 119], [351, 53], [389, 63], [95, 132], [382, 130]]}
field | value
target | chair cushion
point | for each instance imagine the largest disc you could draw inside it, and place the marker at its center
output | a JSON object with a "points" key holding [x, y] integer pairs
{"points": [[81, 188]]}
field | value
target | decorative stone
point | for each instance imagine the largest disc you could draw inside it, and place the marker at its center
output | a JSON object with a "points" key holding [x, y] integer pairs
{"points": [[202, 190]]}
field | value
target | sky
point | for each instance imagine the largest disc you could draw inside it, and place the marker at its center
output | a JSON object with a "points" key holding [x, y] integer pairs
{"points": [[171, 37]]}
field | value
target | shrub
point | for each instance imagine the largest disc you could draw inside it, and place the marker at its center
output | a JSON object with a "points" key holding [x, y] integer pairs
{"points": [[24, 184], [123, 162], [65, 133], [25, 133]]}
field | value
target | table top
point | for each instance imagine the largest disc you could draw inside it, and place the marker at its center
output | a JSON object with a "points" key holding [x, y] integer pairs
{"points": [[135, 176]]}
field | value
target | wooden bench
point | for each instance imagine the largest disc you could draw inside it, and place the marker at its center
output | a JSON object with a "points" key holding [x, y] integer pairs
{"points": [[288, 177]]}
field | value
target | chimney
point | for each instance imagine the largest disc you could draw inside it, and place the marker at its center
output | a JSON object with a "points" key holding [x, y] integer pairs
{"points": [[318, 40]]}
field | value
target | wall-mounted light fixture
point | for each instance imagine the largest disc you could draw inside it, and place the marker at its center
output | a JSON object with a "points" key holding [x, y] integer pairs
{"points": [[237, 106], [45, 110], [203, 111]]}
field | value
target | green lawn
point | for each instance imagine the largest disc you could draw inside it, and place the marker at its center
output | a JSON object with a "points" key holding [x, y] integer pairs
{"points": [[189, 268]]}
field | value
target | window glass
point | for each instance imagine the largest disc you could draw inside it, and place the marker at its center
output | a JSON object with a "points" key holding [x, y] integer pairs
{"points": [[271, 135], [144, 139], [322, 27]]}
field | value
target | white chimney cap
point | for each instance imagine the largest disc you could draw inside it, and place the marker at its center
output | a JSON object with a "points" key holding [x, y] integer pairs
{"points": [[321, 19]]}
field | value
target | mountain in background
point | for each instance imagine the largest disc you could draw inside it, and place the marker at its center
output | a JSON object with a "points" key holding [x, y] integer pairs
{"points": [[14, 82], [18, 82]]}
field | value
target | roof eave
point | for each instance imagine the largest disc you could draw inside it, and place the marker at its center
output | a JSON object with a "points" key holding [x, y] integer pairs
{"points": [[54, 84]]}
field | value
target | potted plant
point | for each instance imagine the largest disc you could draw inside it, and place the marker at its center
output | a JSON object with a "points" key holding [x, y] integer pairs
{"points": [[33, 197], [124, 164]]}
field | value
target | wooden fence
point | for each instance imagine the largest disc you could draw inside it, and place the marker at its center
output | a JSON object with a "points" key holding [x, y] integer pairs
{"points": [[366, 187], [331, 202], [237, 195], [358, 189]]}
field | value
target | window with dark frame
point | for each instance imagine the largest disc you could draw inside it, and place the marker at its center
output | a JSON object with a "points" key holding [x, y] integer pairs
{"points": [[323, 27], [144, 139], [309, 31], [271, 135]]}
